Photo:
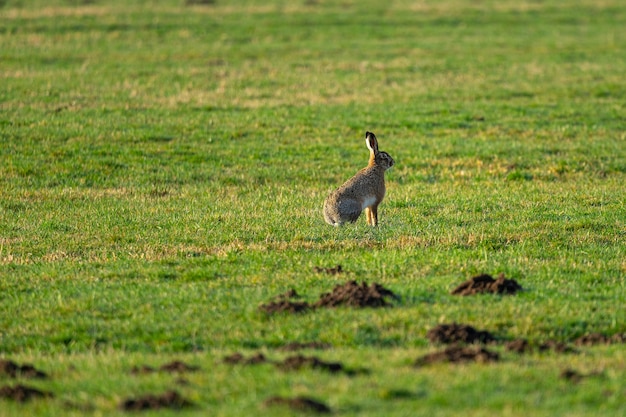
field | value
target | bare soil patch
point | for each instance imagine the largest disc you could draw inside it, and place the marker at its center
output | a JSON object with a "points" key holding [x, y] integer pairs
{"points": [[178, 367], [284, 303], [294, 363], [295, 346], [524, 346], [285, 306], [485, 283], [239, 359], [169, 399], [592, 339], [556, 346], [330, 271], [14, 370], [171, 367], [459, 354], [518, 346], [291, 363], [458, 333], [299, 404], [22, 393]]}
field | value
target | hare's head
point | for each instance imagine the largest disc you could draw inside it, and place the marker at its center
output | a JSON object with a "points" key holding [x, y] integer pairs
{"points": [[382, 159]]}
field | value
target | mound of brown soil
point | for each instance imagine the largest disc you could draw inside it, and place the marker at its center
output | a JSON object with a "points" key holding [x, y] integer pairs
{"points": [[298, 362], [299, 404], [169, 399], [518, 346], [22, 393], [558, 347], [238, 359], [456, 354], [486, 284], [294, 346], [458, 333], [330, 271], [599, 339], [350, 294], [524, 346], [13, 370], [292, 363], [283, 303], [179, 367], [172, 367], [285, 306], [356, 295]]}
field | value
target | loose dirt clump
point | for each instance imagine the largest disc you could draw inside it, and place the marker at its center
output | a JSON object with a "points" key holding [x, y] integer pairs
{"points": [[172, 367], [285, 306], [592, 339], [459, 354], [299, 404], [485, 283], [22, 393], [178, 367], [558, 347], [292, 363], [350, 294], [524, 346], [298, 362], [356, 295], [169, 399], [295, 346], [238, 359], [518, 346], [13, 370], [458, 333], [283, 303], [330, 271]]}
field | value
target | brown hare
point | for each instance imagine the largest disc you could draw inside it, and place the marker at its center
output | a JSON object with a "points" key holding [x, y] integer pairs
{"points": [[363, 191]]}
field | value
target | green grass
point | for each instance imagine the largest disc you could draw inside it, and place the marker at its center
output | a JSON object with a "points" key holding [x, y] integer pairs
{"points": [[163, 169]]}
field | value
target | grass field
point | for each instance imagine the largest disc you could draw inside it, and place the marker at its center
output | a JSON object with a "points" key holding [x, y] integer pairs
{"points": [[163, 167]]}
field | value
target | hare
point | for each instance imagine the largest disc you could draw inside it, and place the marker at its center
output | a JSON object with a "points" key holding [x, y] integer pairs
{"points": [[363, 191]]}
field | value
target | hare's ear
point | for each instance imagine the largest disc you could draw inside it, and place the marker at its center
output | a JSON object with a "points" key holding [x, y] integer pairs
{"points": [[371, 142]]}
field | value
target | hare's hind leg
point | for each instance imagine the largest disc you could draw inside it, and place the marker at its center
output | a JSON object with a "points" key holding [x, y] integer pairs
{"points": [[350, 210], [372, 215]]}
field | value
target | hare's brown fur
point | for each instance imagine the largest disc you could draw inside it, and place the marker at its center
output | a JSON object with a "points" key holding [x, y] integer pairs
{"points": [[364, 191]]}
